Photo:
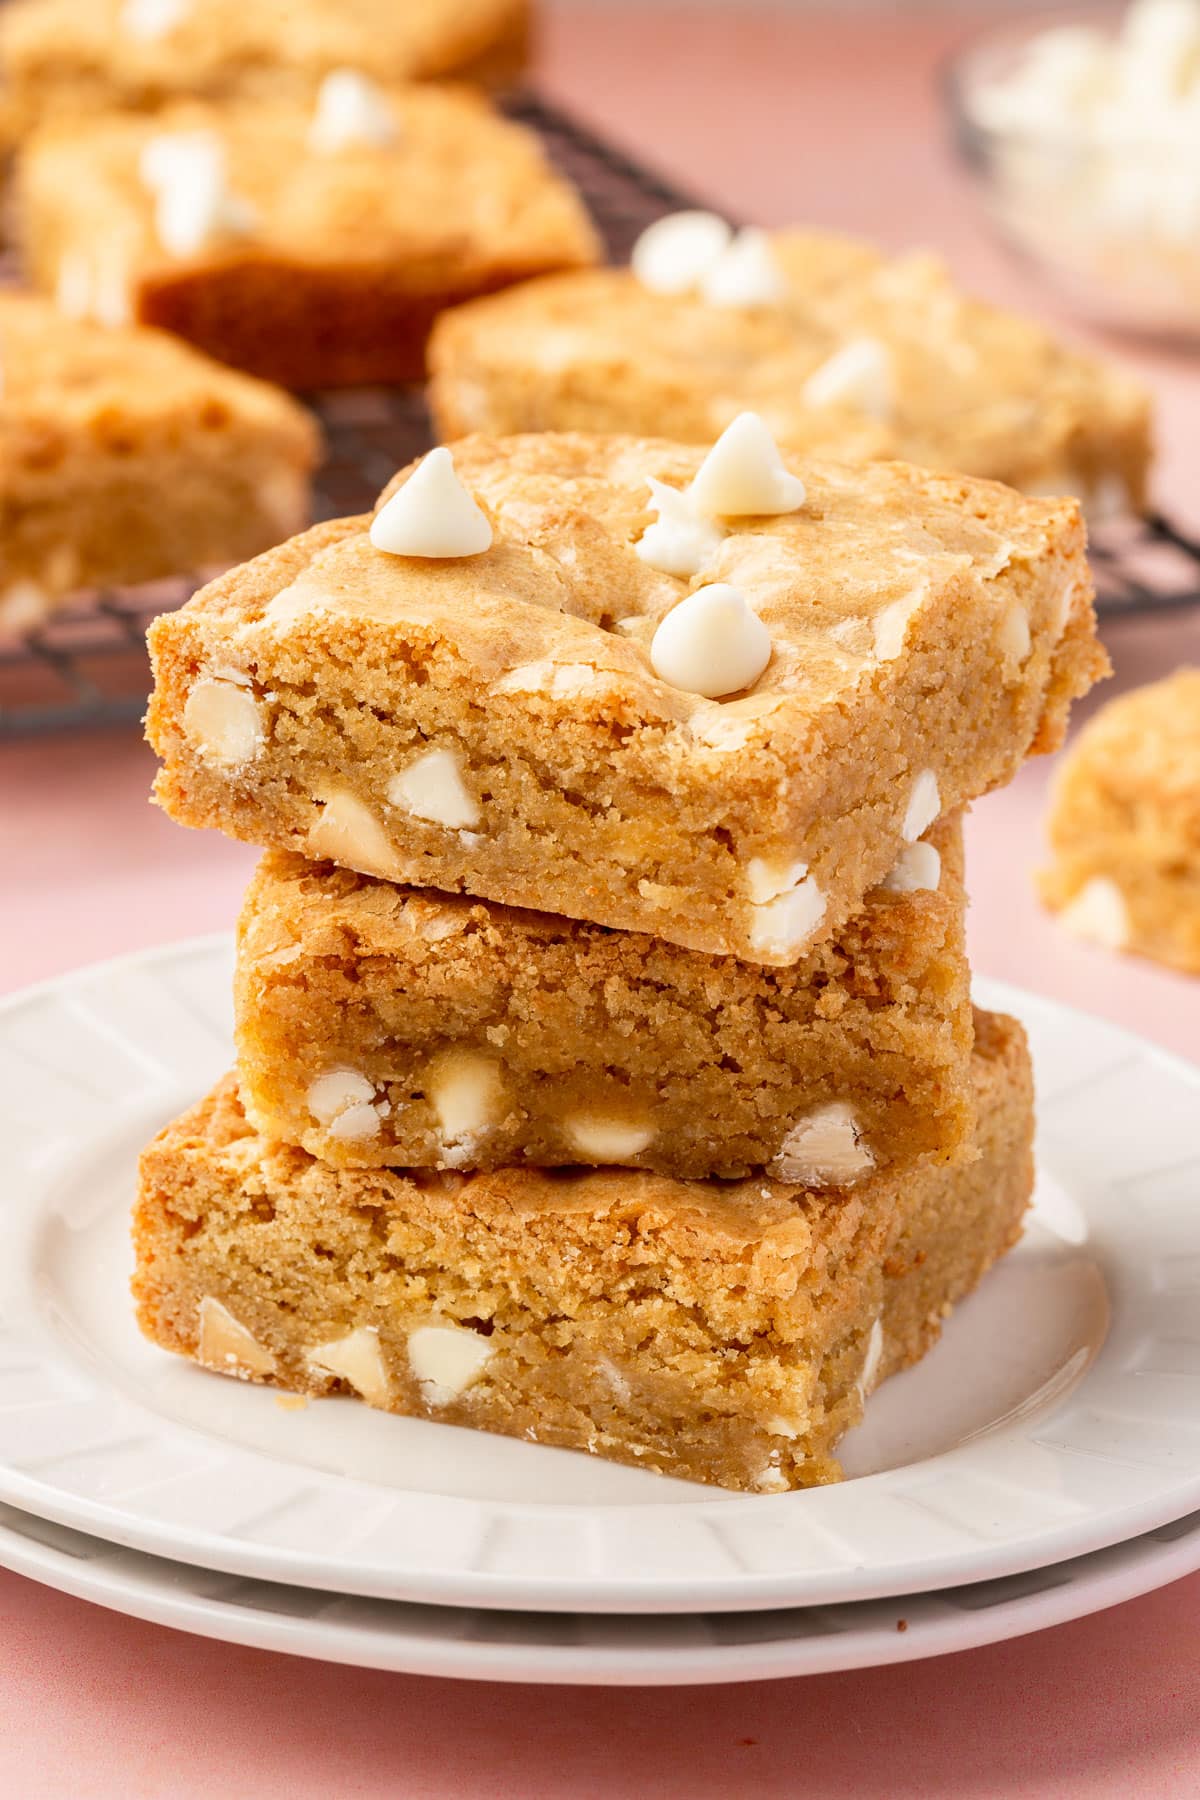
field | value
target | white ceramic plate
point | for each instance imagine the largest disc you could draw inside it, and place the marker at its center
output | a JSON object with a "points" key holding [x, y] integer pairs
{"points": [[577, 1649], [1060, 1414]]}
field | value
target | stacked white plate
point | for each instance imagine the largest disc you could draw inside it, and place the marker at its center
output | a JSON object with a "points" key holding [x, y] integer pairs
{"points": [[1042, 1463]]}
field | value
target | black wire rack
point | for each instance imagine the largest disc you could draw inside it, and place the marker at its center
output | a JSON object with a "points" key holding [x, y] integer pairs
{"points": [[86, 664]]}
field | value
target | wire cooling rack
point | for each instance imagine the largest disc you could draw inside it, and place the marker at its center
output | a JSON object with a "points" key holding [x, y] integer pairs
{"points": [[86, 665]]}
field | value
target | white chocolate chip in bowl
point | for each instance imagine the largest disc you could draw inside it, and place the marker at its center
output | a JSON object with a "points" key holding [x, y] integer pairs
{"points": [[746, 273], [466, 1091], [1098, 914], [712, 643], [432, 514], [924, 805], [681, 541], [345, 1102], [432, 788], [350, 110], [446, 1360], [672, 255], [824, 1149], [348, 832], [600, 1139], [223, 721], [358, 1359], [743, 475], [226, 1344], [917, 868], [859, 375]]}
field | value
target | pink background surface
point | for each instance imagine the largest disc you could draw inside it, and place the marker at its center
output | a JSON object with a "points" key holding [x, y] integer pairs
{"points": [[828, 120]]}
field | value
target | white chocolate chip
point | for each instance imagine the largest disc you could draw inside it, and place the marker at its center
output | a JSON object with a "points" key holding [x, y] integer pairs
{"points": [[891, 625], [780, 928], [466, 1092], [679, 542], [917, 868], [355, 1358], [924, 805], [859, 375], [548, 677], [746, 273], [824, 1149], [432, 514], [152, 19], [772, 1481], [432, 788], [601, 1140], [743, 475], [350, 110], [767, 879], [357, 1125], [674, 253], [1014, 635], [712, 643], [445, 1359], [194, 206], [225, 1343], [335, 1092], [1098, 914], [223, 722], [869, 1377], [348, 832]]}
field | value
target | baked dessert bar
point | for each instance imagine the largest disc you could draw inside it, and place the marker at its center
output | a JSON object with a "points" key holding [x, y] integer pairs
{"points": [[847, 354], [311, 243], [66, 58], [496, 687], [386, 1025], [126, 456], [727, 1333], [1125, 825]]}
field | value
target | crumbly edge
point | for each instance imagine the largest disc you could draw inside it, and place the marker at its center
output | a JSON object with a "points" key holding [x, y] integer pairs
{"points": [[679, 1329], [719, 1057]]}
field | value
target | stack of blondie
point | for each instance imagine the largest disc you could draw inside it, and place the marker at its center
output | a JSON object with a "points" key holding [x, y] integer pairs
{"points": [[606, 1070]]}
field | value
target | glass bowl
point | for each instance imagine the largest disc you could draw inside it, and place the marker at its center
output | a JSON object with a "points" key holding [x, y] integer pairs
{"points": [[1082, 132]]}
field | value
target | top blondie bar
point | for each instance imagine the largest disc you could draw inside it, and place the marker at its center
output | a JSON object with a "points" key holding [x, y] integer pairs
{"points": [[61, 59], [845, 353], [720, 725]]}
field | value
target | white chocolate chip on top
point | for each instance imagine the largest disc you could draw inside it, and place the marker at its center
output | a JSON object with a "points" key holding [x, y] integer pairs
{"points": [[743, 475], [348, 832], [859, 375], [432, 788], [917, 868], [355, 1358], [194, 205], [466, 1092], [711, 643], [350, 110], [824, 1149], [223, 721], [346, 1103], [446, 1360], [672, 255], [747, 273], [1099, 915], [924, 805], [225, 1343], [606, 1140], [679, 542], [432, 514]]}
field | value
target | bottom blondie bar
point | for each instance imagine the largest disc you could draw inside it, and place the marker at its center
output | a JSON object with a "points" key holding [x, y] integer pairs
{"points": [[722, 1332]]}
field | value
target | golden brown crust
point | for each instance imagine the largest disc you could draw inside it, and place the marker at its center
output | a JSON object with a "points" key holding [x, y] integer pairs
{"points": [[975, 389], [719, 1332]]}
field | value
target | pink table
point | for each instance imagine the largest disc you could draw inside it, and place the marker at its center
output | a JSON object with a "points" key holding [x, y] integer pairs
{"points": [[778, 117]]}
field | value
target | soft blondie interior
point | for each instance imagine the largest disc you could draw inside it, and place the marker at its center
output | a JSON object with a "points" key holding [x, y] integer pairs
{"points": [[1125, 825], [494, 724], [126, 456], [65, 58], [967, 386], [328, 266], [723, 1332], [386, 1025]]}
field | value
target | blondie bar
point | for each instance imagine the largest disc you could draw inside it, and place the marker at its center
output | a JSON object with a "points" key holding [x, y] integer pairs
{"points": [[385, 1025], [1125, 825], [62, 59], [126, 456], [309, 243], [845, 353], [499, 688], [726, 1333]]}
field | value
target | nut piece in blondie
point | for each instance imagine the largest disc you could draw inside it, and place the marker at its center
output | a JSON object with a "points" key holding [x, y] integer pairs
{"points": [[726, 1333], [63, 59], [1125, 826], [125, 456], [386, 1025], [546, 722], [311, 242], [846, 354]]}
